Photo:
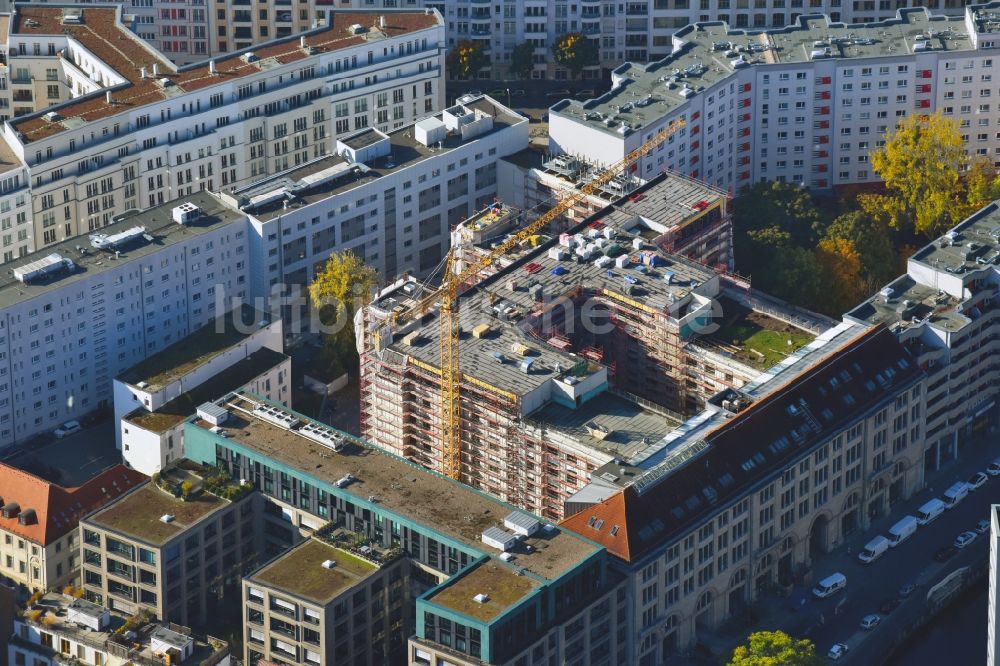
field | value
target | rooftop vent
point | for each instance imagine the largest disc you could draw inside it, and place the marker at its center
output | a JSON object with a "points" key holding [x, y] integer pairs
{"points": [[51, 116], [275, 416], [72, 17], [53, 263], [186, 213], [167, 518], [117, 241], [328, 437], [481, 598], [249, 57], [165, 82], [357, 29], [328, 564]]}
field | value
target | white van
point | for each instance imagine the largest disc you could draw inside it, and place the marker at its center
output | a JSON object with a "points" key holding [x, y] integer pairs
{"points": [[873, 549], [830, 585], [955, 494], [929, 512], [902, 530]]}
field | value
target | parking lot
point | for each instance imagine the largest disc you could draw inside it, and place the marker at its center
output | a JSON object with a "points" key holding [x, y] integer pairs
{"points": [[73, 460]]}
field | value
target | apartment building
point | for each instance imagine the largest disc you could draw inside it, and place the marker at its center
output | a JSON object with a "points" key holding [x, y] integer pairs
{"points": [[801, 104], [63, 628], [175, 557], [944, 312], [139, 130], [757, 484], [321, 604], [79, 313], [38, 521], [159, 392], [991, 624], [391, 198], [486, 584]]}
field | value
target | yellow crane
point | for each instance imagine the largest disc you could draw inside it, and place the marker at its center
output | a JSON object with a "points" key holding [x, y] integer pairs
{"points": [[451, 412]]}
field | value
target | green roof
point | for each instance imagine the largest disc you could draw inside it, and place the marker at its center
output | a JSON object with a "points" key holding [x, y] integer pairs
{"points": [[137, 515], [300, 571], [502, 587]]}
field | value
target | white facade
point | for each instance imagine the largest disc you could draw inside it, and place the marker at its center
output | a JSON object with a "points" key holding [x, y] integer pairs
{"points": [[991, 625], [63, 338], [195, 128], [791, 113]]}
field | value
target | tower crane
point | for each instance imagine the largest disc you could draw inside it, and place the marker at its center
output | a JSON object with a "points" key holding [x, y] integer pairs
{"points": [[451, 287]]}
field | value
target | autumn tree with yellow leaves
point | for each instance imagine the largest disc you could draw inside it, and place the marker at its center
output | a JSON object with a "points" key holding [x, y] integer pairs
{"points": [[930, 182], [466, 59], [574, 52], [774, 648], [337, 291]]}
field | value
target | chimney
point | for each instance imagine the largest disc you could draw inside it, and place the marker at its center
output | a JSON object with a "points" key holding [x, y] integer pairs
{"points": [[142, 72], [302, 41], [381, 22], [156, 69], [211, 67], [107, 97]]}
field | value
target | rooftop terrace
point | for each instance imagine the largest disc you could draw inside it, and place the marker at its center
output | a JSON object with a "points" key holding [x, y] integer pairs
{"points": [[503, 588], [398, 487], [137, 515], [334, 174], [300, 571], [103, 33], [89, 261], [235, 377], [707, 53], [198, 348]]}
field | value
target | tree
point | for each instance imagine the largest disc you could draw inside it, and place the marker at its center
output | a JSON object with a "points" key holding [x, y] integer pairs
{"points": [[774, 648], [922, 164], [574, 52], [795, 275], [872, 241], [522, 60], [343, 286], [842, 274], [982, 182], [467, 58]]}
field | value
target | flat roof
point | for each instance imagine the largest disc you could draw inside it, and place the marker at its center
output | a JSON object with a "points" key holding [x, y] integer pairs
{"points": [[89, 261], [704, 54], [137, 515], [412, 492], [362, 139], [502, 587], [633, 429], [107, 38], [200, 347], [185, 405], [300, 572], [404, 152]]}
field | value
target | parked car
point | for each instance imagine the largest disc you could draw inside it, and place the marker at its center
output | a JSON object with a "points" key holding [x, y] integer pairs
{"points": [[983, 526], [517, 93], [585, 94], [977, 480], [837, 651], [67, 429], [993, 469], [890, 604], [906, 589], [945, 554], [869, 622], [561, 93], [965, 538]]}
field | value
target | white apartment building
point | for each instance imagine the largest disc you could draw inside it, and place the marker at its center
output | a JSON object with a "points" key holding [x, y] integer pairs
{"points": [[802, 104], [79, 313], [991, 625], [391, 198], [137, 130], [152, 398]]}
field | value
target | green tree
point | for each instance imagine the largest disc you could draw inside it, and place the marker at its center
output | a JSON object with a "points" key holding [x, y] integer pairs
{"points": [[872, 239], [795, 275], [467, 58], [922, 164], [574, 52], [343, 285], [522, 60], [774, 648]]}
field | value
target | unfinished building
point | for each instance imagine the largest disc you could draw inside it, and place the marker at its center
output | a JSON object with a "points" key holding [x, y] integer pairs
{"points": [[597, 311]]}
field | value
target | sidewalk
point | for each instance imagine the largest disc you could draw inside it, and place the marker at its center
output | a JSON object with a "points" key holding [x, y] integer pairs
{"points": [[773, 612]]}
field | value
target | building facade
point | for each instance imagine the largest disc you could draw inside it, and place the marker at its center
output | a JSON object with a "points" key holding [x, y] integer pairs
{"points": [[176, 559], [40, 548], [805, 104], [127, 129], [479, 597], [991, 624]]}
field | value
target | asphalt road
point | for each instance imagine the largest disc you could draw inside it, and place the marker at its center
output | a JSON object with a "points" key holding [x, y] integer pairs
{"points": [[837, 619]]}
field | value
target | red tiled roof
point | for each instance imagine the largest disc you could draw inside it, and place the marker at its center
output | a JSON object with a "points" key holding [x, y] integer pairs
{"points": [[125, 53], [755, 443], [58, 509]]}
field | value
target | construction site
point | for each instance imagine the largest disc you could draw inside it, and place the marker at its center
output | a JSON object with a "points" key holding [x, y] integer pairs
{"points": [[579, 347]]}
